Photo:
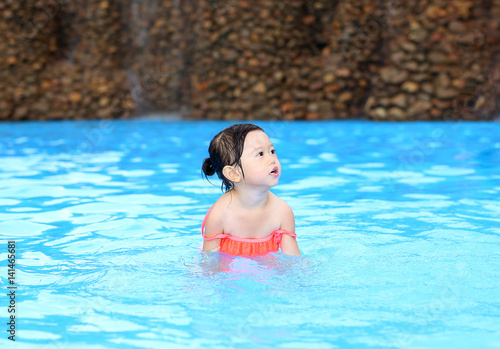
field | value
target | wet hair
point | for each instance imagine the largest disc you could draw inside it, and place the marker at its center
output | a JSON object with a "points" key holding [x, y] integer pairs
{"points": [[226, 149]]}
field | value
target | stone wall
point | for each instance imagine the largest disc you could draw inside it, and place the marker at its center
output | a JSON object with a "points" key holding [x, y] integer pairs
{"points": [[440, 61], [242, 59]]}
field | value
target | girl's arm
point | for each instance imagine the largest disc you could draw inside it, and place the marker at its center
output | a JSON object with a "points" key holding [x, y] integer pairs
{"points": [[211, 246], [213, 227], [289, 244]]}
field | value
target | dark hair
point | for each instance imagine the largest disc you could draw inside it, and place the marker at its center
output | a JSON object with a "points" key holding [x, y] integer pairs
{"points": [[225, 150]]}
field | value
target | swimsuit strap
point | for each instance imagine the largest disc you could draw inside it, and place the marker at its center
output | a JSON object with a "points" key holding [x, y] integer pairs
{"points": [[276, 234]]}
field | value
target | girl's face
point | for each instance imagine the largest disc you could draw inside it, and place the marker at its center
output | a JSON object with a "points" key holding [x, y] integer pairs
{"points": [[259, 161]]}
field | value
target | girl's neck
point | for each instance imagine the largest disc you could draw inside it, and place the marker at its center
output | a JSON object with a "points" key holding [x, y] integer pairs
{"points": [[251, 198]]}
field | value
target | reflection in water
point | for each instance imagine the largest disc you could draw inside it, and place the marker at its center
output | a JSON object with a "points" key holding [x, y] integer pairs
{"points": [[272, 264]]}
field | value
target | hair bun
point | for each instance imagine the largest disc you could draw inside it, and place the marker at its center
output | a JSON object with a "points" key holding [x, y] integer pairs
{"points": [[208, 168]]}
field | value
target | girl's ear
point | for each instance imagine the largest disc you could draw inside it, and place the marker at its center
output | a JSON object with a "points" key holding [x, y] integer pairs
{"points": [[231, 173]]}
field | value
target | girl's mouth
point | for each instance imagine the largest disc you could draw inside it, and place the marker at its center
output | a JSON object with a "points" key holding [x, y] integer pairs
{"points": [[274, 172]]}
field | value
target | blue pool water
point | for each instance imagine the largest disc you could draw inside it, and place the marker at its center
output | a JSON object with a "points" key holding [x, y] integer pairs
{"points": [[398, 224]]}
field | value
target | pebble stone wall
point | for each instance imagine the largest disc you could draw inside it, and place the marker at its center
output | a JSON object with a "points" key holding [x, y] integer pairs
{"points": [[250, 59]]}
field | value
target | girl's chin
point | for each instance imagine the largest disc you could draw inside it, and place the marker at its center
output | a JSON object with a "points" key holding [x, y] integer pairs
{"points": [[275, 182], [270, 182]]}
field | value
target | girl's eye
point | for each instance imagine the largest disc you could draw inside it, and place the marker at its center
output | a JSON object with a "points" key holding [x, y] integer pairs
{"points": [[273, 151], [261, 153]]}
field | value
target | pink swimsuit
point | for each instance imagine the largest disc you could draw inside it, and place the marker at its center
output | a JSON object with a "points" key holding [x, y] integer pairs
{"points": [[236, 246]]}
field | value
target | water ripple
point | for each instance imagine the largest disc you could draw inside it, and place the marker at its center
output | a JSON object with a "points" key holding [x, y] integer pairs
{"points": [[398, 251]]}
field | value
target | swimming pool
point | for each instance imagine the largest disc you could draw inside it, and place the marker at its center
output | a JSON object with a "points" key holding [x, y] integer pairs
{"points": [[398, 224]]}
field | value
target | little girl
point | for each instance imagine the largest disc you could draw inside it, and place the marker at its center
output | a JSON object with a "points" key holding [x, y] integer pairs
{"points": [[247, 220]]}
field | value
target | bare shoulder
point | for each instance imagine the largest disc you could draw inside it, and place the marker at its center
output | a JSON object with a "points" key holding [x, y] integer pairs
{"points": [[280, 204], [285, 212], [288, 243], [215, 219]]}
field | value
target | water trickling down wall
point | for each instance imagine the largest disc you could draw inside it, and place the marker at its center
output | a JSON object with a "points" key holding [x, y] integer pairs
{"points": [[238, 59]]}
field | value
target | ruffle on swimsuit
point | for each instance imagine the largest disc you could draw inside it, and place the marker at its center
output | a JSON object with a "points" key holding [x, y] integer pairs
{"points": [[235, 246]]}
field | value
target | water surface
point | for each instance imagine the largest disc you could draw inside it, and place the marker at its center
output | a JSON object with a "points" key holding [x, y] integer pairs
{"points": [[398, 224]]}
